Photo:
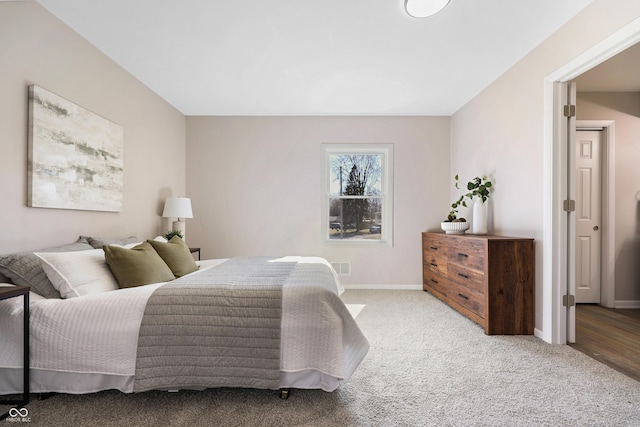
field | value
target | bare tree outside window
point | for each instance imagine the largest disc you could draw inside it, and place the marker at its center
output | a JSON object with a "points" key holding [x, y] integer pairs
{"points": [[357, 189], [355, 207]]}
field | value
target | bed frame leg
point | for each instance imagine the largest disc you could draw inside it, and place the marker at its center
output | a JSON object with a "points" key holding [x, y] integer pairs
{"points": [[284, 393]]}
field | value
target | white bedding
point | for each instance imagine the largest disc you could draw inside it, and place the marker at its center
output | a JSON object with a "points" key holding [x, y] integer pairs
{"points": [[88, 343]]}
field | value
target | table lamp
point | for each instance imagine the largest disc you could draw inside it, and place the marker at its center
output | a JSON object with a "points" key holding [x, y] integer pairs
{"points": [[180, 208]]}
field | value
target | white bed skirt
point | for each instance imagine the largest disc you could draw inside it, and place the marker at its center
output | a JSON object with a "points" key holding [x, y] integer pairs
{"points": [[42, 381]]}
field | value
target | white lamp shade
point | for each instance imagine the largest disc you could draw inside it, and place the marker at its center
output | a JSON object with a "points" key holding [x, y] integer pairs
{"points": [[177, 207], [424, 8]]}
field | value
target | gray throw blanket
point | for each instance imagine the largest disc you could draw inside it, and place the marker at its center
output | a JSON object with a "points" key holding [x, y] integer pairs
{"points": [[215, 328]]}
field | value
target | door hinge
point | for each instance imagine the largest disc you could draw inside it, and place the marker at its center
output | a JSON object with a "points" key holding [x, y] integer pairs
{"points": [[569, 110], [568, 300], [569, 205]]}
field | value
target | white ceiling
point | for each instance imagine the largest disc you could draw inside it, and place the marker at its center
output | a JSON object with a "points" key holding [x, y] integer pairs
{"points": [[314, 57]]}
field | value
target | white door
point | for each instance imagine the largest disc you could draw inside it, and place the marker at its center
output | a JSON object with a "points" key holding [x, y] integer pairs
{"points": [[588, 215]]}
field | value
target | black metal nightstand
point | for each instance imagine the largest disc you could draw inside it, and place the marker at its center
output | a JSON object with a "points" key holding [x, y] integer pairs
{"points": [[10, 292]]}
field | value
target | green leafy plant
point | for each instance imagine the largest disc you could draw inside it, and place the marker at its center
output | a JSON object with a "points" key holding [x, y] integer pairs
{"points": [[169, 234], [477, 187]]}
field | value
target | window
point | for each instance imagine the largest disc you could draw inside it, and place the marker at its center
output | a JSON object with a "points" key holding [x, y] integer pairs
{"points": [[357, 193]]}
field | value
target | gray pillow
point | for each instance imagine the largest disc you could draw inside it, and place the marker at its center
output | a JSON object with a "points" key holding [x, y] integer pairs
{"points": [[24, 268], [99, 242]]}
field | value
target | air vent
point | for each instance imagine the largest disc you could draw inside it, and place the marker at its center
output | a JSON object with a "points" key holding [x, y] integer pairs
{"points": [[342, 268]]}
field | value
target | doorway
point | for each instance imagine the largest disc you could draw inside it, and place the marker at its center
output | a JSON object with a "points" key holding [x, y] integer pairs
{"points": [[557, 316], [590, 231]]}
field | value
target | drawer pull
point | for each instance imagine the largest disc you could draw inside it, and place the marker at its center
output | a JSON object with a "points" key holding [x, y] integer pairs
{"points": [[463, 296], [434, 248], [463, 255], [433, 264], [434, 281], [463, 275]]}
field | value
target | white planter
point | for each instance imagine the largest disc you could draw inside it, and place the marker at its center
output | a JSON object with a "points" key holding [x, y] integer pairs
{"points": [[479, 221], [454, 227]]}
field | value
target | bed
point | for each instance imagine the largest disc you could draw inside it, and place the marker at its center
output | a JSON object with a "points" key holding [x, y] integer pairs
{"points": [[102, 317]]}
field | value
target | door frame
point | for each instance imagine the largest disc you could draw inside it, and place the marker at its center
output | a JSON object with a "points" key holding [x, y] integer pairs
{"points": [[554, 254], [608, 208]]}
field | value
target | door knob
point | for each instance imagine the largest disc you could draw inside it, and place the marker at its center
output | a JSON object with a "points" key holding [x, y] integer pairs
{"points": [[596, 228]]}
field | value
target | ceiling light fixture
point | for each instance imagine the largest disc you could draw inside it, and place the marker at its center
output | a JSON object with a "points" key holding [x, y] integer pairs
{"points": [[424, 8]]}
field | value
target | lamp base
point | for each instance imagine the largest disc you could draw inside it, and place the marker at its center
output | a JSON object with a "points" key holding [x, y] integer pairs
{"points": [[180, 226]]}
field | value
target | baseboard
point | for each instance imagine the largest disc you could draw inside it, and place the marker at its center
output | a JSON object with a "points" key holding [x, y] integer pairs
{"points": [[386, 287], [627, 304]]}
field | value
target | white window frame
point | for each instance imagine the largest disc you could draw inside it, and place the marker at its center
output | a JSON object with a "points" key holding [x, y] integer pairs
{"points": [[386, 150]]}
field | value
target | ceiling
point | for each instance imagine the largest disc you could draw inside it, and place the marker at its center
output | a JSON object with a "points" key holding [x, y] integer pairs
{"points": [[311, 57]]}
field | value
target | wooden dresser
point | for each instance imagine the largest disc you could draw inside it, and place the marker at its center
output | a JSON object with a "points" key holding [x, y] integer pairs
{"points": [[489, 279]]}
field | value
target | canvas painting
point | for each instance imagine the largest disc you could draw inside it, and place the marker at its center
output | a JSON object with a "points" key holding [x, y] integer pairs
{"points": [[75, 156]]}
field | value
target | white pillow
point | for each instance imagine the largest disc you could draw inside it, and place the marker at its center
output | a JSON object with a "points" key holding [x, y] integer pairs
{"points": [[127, 246], [79, 273]]}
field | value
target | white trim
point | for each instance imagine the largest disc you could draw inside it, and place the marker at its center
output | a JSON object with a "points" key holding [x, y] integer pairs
{"points": [[622, 39], [554, 314], [385, 287], [553, 271], [386, 150], [627, 304], [538, 334]]}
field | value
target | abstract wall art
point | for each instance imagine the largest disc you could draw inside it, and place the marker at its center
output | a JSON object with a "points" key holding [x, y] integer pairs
{"points": [[75, 156]]}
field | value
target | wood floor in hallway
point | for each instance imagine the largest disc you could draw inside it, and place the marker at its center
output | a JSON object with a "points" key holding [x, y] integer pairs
{"points": [[611, 336]]}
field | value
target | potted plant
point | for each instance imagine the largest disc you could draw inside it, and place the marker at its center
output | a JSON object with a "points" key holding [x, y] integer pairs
{"points": [[478, 188], [169, 234]]}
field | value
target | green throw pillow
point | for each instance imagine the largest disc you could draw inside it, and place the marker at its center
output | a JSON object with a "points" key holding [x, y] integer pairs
{"points": [[176, 254], [140, 265]]}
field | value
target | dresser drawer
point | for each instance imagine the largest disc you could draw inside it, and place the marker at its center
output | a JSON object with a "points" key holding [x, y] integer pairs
{"points": [[468, 253], [437, 238], [436, 282], [435, 262], [434, 245], [471, 279], [468, 299]]}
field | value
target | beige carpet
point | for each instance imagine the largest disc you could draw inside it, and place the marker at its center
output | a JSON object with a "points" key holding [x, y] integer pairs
{"points": [[428, 366]]}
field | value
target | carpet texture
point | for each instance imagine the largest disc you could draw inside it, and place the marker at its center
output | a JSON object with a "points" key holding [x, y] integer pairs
{"points": [[428, 366]]}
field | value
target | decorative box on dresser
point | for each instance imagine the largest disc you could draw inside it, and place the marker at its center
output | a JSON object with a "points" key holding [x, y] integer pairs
{"points": [[489, 279]]}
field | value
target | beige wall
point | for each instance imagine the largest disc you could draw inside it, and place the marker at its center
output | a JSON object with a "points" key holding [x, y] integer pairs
{"points": [[255, 188], [502, 132], [36, 48], [624, 109]]}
